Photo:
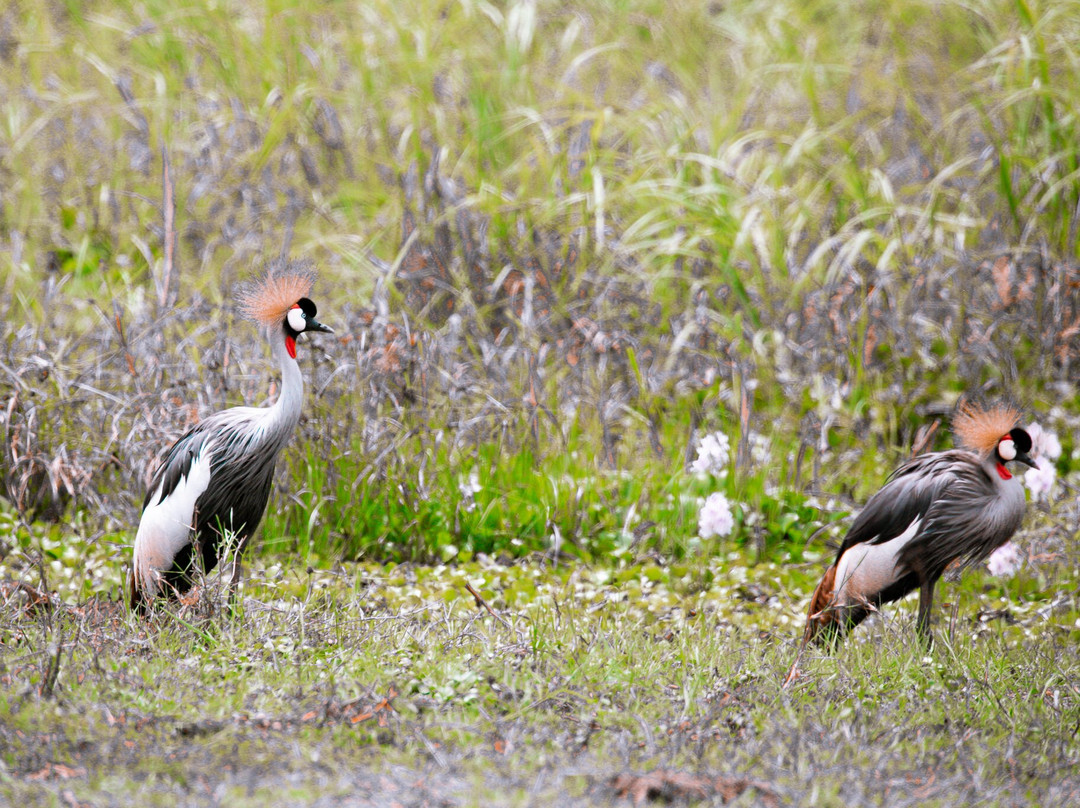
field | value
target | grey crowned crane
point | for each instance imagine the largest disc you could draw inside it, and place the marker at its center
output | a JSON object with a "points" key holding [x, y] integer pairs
{"points": [[215, 480], [936, 510]]}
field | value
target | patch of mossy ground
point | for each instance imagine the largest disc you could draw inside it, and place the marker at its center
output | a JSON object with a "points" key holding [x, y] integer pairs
{"points": [[382, 685]]}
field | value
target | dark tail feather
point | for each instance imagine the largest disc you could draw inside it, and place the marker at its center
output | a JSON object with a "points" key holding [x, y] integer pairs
{"points": [[822, 620], [822, 623], [136, 599]]}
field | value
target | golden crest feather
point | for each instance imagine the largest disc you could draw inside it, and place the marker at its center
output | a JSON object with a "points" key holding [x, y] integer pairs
{"points": [[979, 429], [268, 300]]}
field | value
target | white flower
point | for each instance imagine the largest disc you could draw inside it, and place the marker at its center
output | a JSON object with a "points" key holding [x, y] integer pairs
{"points": [[1040, 481], [1044, 443], [469, 488], [1045, 449], [715, 518], [1005, 560], [760, 448], [712, 454]]}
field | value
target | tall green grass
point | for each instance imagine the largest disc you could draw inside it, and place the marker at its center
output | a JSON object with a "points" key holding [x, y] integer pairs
{"points": [[742, 217]]}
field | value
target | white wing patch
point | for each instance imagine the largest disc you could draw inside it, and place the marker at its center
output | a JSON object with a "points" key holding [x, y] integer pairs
{"points": [[866, 569], [166, 525]]}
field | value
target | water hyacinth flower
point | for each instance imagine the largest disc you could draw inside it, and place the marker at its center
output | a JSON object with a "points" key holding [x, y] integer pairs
{"points": [[468, 489], [713, 453], [1044, 443], [1040, 481], [715, 517], [1005, 560], [760, 448], [1045, 448]]}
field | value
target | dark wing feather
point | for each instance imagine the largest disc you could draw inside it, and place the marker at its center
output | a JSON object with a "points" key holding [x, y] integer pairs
{"points": [[177, 463], [906, 496], [970, 521], [242, 468], [242, 463]]}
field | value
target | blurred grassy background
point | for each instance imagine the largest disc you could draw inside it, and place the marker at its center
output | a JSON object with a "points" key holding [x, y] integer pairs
{"points": [[558, 243]]}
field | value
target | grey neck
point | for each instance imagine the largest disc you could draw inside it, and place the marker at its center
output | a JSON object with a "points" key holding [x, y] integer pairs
{"points": [[282, 417], [990, 465]]}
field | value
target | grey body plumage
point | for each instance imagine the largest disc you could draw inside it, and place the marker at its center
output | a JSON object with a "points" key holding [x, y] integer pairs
{"points": [[938, 510], [215, 481], [963, 511], [242, 460]]}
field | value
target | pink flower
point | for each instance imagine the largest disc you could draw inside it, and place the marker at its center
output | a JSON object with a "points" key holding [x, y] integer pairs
{"points": [[1005, 560], [713, 453], [715, 517], [1040, 481], [1044, 443], [1045, 448]]}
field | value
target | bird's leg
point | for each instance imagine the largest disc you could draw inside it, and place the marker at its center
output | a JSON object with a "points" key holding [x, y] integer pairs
{"points": [[230, 555], [136, 599], [235, 570], [196, 568], [926, 601]]}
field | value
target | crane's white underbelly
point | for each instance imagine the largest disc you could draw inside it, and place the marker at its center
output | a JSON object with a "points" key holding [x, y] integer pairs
{"points": [[166, 525], [866, 569]]}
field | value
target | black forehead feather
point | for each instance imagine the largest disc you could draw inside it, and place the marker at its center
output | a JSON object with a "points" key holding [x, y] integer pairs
{"points": [[1022, 439], [306, 306]]}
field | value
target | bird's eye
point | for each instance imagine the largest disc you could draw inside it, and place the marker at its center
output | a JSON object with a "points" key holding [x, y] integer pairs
{"points": [[297, 319], [1007, 449]]}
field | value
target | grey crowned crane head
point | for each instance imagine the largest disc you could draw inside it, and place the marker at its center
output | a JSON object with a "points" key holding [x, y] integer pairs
{"points": [[993, 432], [279, 300]]}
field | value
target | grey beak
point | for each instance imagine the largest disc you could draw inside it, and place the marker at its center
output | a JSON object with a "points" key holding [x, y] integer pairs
{"points": [[1024, 458], [315, 325]]}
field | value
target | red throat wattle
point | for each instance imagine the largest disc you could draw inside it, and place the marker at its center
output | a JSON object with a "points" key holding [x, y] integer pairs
{"points": [[1003, 472], [290, 346]]}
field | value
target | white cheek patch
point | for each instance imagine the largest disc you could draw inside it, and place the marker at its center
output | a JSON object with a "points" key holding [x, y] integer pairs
{"points": [[296, 318], [1007, 449]]}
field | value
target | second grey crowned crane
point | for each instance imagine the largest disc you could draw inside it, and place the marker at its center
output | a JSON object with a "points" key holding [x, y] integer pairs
{"points": [[938, 509], [216, 479]]}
